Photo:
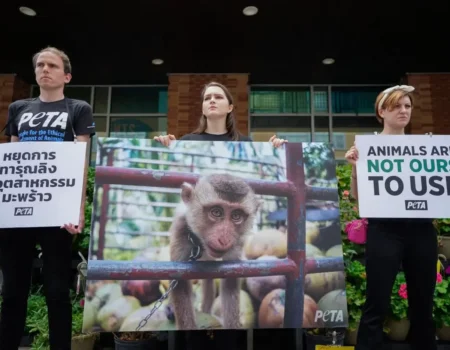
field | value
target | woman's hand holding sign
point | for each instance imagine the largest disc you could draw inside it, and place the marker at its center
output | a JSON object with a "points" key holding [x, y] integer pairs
{"points": [[352, 155], [165, 140]]}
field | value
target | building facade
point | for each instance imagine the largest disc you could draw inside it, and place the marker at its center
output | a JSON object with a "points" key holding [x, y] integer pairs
{"points": [[322, 113]]}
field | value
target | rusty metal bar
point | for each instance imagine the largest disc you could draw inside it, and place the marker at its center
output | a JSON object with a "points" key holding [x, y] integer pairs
{"points": [[171, 179], [296, 226], [104, 208], [140, 177], [331, 264], [192, 154], [186, 270], [164, 270], [322, 194]]}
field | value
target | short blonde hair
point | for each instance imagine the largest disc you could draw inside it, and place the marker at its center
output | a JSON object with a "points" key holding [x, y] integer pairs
{"points": [[58, 52], [390, 102]]}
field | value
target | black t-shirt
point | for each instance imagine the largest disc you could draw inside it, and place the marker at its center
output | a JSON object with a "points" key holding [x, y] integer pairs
{"points": [[212, 137], [34, 120]]}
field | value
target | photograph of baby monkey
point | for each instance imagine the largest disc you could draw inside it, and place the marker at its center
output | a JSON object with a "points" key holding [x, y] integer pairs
{"points": [[206, 202]]}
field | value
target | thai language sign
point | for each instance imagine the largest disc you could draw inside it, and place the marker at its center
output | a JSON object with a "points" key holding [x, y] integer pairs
{"points": [[404, 176], [41, 183]]}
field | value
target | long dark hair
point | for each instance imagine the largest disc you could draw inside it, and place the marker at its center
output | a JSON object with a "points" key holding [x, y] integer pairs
{"points": [[230, 122]]}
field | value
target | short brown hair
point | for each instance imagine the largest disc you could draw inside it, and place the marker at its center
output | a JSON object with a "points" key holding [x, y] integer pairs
{"points": [[58, 52], [391, 101], [230, 122]]}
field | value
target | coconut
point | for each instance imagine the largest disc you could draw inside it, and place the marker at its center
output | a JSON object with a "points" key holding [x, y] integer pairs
{"points": [[312, 251], [319, 284], [271, 311], [334, 304], [335, 251], [112, 315], [146, 291], [266, 242], [246, 311], [133, 320]]}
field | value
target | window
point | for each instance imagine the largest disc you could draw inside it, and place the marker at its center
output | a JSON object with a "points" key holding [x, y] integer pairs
{"points": [[100, 131], [355, 100], [101, 100], [138, 100], [137, 127], [347, 127], [296, 112], [263, 127], [280, 100]]}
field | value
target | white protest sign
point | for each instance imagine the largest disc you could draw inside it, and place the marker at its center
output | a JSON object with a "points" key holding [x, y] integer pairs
{"points": [[41, 183], [403, 176]]}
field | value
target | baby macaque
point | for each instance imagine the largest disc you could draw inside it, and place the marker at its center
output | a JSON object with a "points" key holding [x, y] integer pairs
{"points": [[219, 211]]}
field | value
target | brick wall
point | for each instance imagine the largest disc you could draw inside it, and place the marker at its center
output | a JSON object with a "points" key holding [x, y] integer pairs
{"points": [[11, 89], [432, 103], [185, 105]]}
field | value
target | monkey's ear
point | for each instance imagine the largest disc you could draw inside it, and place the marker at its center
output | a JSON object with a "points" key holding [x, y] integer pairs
{"points": [[186, 192]]}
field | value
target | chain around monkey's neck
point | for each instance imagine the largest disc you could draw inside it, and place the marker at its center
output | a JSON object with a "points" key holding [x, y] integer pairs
{"points": [[197, 248]]}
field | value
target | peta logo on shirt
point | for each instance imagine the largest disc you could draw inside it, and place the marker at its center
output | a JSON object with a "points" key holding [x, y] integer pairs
{"points": [[43, 126]]}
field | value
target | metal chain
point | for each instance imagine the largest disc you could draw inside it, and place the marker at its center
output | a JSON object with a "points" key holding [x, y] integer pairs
{"points": [[157, 305], [196, 251]]}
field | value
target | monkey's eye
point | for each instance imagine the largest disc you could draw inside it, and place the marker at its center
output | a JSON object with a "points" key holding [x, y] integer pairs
{"points": [[217, 212], [237, 215]]}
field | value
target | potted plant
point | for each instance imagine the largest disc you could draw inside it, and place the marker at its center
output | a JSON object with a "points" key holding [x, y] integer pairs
{"points": [[355, 291], [37, 323], [140, 340], [443, 228], [441, 311], [397, 322], [348, 212], [81, 341]]}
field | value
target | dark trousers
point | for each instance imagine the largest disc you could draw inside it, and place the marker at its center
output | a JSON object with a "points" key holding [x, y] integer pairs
{"points": [[412, 243], [16, 257]]}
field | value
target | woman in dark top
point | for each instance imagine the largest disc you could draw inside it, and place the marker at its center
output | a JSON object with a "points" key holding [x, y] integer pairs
{"points": [[217, 123], [391, 242]]}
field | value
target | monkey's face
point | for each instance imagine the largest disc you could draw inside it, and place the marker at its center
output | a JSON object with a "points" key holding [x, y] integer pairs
{"points": [[225, 226], [220, 210]]}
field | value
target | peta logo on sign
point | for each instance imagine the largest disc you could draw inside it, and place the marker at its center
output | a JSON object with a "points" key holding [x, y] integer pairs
{"points": [[416, 205], [329, 316], [23, 211]]}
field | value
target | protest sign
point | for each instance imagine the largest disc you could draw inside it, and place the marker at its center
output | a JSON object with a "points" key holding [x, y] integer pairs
{"points": [[176, 226], [403, 176], [41, 183]]}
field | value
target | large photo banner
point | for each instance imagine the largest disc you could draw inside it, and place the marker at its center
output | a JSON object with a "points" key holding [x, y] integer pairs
{"points": [[214, 235], [41, 183], [404, 176]]}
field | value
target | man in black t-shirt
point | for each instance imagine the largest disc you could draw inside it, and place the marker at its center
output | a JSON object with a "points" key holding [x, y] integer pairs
{"points": [[50, 117], [35, 120]]}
